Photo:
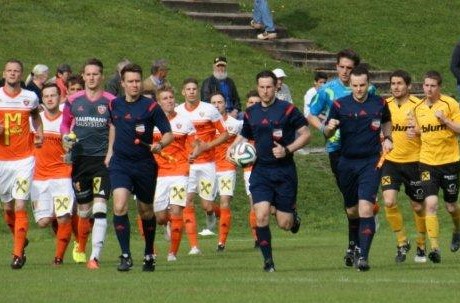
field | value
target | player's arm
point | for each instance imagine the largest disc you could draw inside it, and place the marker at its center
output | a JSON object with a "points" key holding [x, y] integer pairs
{"points": [[38, 126], [450, 123], [332, 121], [387, 144], [238, 139], [317, 106], [109, 154], [166, 139]]}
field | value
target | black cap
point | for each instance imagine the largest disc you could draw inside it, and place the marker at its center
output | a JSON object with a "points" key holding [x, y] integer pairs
{"points": [[220, 61]]}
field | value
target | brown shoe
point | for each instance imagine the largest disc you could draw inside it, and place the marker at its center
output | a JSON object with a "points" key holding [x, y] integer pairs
{"points": [[256, 25], [267, 36]]}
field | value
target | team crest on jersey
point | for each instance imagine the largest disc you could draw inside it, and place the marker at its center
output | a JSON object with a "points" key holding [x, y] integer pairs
{"points": [[80, 108], [101, 109], [26, 102], [201, 114]]}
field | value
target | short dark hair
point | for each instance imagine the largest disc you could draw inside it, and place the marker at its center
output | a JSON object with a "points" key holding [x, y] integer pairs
{"points": [[266, 74], [252, 93], [215, 94], [131, 68], [94, 61], [74, 79], [360, 70], [402, 74], [190, 80], [435, 75], [320, 75], [48, 85], [13, 60], [349, 54]]}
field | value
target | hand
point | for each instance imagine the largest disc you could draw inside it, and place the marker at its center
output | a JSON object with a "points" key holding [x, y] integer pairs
{"points": [[278, 151], [38, 139], [387, 146], [229, 154], [156, 147], [332, 124], [68, 141], [440, 115]]}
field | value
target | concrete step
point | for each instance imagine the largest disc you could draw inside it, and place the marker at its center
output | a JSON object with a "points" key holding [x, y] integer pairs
{"points": [[282, 43], [305, 54], [222, 18], [246, 31], [317, 64], [222, 6]]}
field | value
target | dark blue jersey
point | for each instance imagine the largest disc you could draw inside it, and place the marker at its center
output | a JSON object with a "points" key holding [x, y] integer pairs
{"points": [[277, 122], [136, 120], [360, 125]]}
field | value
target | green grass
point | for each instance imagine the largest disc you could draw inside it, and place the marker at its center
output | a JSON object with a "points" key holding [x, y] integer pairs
{"points": [[309, 264]]}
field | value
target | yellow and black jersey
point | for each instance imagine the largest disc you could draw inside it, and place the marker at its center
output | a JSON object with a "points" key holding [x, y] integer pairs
{"points": [[439, 143], [405, 150]]}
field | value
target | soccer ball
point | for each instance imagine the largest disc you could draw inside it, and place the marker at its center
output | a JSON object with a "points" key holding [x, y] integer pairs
{"points": [[244, 154]]}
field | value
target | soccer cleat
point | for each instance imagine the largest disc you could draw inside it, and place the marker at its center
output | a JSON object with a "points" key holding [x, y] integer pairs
{"points": [[363, 265], [267, 36], [220, 247], [269, 266], [171, 257], [349, 257], [57, 261], [256, 25], [256, 244], [420, 256], [93, 264], [78, 257], [149, 263], [435, 256], [455, 244], [401, 252], [125, 263], [206, 232], [296, 224], [194, 251], [18, 262]]}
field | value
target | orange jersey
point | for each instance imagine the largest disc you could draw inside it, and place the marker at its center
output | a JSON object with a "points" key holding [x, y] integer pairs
{"points": [[233, 128], [207, 120], [49, 159], [173, 159], [16, 141]]}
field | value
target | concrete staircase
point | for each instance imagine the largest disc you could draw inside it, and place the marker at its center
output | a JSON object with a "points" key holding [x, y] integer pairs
{"points": [[225, 16]]}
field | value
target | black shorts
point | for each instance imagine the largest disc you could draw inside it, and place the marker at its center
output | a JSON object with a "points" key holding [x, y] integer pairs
{"points": [[90, 179], [441, 176], [395, 174]]}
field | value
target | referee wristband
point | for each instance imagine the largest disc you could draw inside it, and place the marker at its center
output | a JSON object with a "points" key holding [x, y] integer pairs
{"points": [[287, 151]]}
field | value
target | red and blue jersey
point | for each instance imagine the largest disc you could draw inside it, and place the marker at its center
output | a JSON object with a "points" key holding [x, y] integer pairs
{"points": [[136, 120], [360, 125], [265, 125]]}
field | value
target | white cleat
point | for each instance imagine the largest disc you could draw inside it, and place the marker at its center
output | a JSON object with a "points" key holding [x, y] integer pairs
{"points": [[194, 251], [171, 257], [206, 232]]}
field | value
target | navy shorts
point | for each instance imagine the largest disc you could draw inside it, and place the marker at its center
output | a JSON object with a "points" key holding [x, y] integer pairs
{"points": [[358, 179], [395, 174], [275, 184], [90, 179], [441, 176], [139, 177]]}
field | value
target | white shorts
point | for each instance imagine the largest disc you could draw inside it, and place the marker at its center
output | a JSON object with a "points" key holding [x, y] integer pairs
{"points": [[246, 176], [226, 182], [52, 198], [202, 179], [16, 178], [170, 190]]}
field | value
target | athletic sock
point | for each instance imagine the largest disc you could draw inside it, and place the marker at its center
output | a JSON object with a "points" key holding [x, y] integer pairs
{"points": [[176, 233], [456, 220], [84, 227], [75, 220], [190, 226], [253, 223], [21, 226], [265, 242], [366, 234], [420, 227], [353, 232], [224, 224], [63, 235], [216, 208], [149, 228], [432, 229], [10, 218], [54, 226], [98, 236], [122, 230], [139, 225], [395, 219]]}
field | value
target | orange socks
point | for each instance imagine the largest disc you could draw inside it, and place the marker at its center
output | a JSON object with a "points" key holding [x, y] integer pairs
{"points": [[139, 225], [9, 217], [216, 209], [190, 226], [176, 233], [84, 228], [63, 235], [75, 225], [21, 227], [253, 223], [224, 224]]}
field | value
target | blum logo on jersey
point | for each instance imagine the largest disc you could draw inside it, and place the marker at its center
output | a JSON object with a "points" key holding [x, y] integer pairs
{"points": [[433, 128], [400, 128]]}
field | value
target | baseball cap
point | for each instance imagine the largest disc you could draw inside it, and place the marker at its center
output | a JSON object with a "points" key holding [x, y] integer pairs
{"points": [[62, 68], [279, 73], [220, 61]]}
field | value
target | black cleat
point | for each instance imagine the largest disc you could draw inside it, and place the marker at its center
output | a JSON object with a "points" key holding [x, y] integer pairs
{"points": [[125, 263], [401, 252], [256, 244], [363, 265], [349, 257], [455, 244], [149, 263], [220, 248], [435, 256], [296, 224], [18, 262], [57, 261], [269, 266]]}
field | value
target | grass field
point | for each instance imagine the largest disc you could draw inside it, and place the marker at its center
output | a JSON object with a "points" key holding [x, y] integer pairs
{"points": [[309, 265]]}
